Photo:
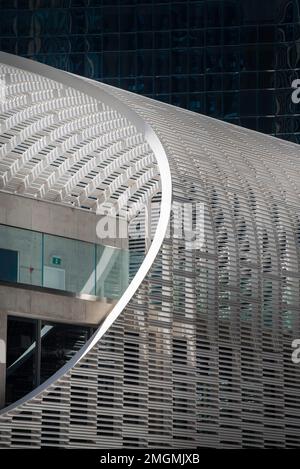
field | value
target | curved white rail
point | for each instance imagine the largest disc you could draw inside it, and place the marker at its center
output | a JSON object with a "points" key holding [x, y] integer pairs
{"points": [[87, 87]]}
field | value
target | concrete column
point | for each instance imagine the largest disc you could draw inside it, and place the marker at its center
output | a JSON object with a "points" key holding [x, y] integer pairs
{"points": [[3, 337]]}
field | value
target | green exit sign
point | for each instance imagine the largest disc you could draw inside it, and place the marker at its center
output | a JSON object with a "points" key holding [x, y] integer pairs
{"points": [[56, 260]]}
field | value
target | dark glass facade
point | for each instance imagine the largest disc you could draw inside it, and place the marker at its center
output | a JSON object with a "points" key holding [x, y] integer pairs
{"points": [[230, 59], [37, 349]]}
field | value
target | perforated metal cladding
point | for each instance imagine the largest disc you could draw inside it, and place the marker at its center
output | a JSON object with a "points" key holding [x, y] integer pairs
{"points": [[202, 354], [61, 145]]}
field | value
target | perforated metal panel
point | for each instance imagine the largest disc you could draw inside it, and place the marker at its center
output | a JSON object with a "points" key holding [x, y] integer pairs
{"points": [[201, 356]]}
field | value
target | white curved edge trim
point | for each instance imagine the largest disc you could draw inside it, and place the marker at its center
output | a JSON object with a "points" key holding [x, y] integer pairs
{"points": [[95, 91]]}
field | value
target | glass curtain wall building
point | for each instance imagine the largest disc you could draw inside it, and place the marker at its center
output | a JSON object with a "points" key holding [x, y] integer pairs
{"points": [[230, 59]]}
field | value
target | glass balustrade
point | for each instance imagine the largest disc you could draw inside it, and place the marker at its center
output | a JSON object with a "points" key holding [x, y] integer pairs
{"points": [[66, 264]]}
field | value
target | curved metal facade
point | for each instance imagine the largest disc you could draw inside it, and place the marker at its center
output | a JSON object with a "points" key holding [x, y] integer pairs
{"points": [[201, 354]]}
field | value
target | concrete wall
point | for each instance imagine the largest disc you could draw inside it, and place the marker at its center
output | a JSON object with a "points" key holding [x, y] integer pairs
{"points": [[19, 301], [54, 218]]}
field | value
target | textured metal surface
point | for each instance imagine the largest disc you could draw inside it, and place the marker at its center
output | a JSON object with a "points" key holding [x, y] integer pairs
{"points": [[201, 356], [61, 145]]}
